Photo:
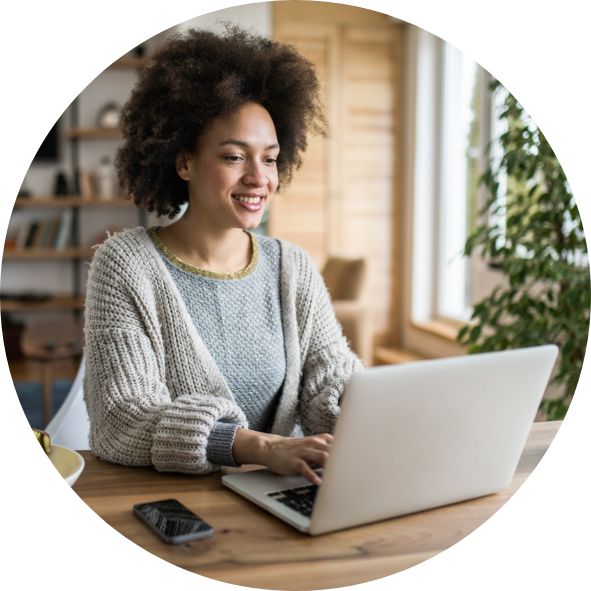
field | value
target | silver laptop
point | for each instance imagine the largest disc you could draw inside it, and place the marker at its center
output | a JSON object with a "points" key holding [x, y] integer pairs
{"points": [[414, 437]]}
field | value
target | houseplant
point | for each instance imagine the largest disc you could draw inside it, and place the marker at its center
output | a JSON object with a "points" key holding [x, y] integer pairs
{"points": [[532, 231]]}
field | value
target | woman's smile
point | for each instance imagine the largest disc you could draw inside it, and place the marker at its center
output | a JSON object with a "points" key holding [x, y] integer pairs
{"points": [[250, 201]]}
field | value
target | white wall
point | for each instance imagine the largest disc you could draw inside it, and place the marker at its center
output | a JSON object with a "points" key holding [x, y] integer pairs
{"points": [[256, 16], [112, 85]]}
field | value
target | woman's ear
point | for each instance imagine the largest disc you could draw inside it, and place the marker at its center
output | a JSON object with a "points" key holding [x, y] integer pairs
{"points": [[181, 165]]}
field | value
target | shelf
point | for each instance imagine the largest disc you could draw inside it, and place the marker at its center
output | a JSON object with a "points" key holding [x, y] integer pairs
{"points": [[129, 62], [447, 330], [94, 133], [78, 133], [394, 356], [55, 303], [48, 253], [72, 201]]}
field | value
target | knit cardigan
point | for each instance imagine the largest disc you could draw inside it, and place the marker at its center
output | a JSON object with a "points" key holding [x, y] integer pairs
{"points": [[151, 387]]}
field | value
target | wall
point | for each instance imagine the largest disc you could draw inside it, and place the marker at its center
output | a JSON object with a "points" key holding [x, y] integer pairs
{"points": [[345, 198], [256, 16], [112, 85]]}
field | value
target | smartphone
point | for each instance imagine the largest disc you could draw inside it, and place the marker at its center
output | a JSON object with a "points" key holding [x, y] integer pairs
{"points": [[173, 522]]}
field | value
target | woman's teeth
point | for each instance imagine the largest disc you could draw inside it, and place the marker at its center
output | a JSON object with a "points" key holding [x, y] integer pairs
{"points": [[247, 199]]}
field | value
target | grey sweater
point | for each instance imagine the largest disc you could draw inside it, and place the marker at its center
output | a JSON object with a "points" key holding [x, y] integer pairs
{"points": [[153, 390], [238, 317]]}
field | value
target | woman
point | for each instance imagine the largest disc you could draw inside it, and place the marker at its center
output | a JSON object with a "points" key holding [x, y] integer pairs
{"points": [[205, 344]]}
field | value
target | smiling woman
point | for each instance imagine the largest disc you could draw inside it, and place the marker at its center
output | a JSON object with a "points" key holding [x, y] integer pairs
{"points": [[207, 346], [231, 179]]}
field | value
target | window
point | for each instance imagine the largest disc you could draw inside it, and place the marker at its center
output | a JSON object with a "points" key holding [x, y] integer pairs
{"points": [[460, 153], [452, 119]]}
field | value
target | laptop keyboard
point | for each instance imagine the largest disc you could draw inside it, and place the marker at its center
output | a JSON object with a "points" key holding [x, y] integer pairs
{"points": [[299, 499]]}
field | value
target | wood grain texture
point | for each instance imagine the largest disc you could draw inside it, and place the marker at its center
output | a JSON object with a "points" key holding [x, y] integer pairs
{"points": [[393, 356], [49, 253], [72, 201], [328, 12], [94, 133], [252, 548], [55, 303], [346, 196], [128, 62]]}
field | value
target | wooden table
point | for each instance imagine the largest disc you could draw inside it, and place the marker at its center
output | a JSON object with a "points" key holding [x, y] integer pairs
{"points": [[252, 548]]}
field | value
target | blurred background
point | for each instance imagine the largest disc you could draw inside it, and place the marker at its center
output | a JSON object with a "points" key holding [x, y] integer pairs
{"points": [[384, 206]]}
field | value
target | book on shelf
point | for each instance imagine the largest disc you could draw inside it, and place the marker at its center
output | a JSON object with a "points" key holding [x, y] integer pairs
{"points": [[31, 234], [62, 239], [46, 231], [9, 244], [21, 237], [86, 185], [53, 229], [39, 233], [47, 234]]}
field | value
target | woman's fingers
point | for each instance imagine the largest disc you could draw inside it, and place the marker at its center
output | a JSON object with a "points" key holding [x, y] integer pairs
{"points": [[307, 472], [317, 443], [323, 439], [298, 456], [314, 456]]}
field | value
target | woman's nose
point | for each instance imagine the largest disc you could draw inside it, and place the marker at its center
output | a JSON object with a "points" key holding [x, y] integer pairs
{"points": [[255, 175]]}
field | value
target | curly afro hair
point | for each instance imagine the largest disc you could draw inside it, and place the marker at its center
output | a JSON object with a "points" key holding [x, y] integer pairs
{"points": [[194, 78]]}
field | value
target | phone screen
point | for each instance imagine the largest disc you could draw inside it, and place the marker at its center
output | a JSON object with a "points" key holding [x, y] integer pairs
{"points": [[173, 521]]}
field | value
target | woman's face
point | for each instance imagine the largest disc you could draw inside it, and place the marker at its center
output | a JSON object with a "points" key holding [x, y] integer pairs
{"points": [[232, 175]]}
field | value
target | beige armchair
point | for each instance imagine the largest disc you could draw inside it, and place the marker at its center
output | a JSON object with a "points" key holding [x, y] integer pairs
{"points": [[348, 282]]}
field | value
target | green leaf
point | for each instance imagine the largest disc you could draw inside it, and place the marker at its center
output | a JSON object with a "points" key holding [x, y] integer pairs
{"points": [[462, 333], [541, 252]]}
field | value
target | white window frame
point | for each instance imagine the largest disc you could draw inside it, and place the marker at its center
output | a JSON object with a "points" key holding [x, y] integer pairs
{"points": [[423, 330]]}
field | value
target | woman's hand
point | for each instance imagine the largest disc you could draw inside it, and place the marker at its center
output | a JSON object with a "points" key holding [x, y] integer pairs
{"points": [[283, 455]]}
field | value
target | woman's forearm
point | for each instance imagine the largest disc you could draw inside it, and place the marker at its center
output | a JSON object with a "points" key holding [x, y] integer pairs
{"points": [[250, 447]]}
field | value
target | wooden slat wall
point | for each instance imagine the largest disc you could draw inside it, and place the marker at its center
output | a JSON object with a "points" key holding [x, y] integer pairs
{"points": [[345, 197], [368, 159], [298, 214]]}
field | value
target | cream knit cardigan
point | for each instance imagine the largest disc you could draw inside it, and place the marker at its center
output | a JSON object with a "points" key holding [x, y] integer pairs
{"points": [[152, 389]]}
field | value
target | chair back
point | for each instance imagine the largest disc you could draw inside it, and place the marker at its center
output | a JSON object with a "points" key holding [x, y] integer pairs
{"points": [[345, 278], [348, 282], [70, 426]]}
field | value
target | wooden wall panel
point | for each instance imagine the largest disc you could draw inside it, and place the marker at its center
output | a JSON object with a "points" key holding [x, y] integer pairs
{"points": [[368, 71], [345, 197], [298, 213], [327, 12]]}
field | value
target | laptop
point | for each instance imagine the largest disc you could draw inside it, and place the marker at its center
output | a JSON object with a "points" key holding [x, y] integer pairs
{"points": [[414, 437]]}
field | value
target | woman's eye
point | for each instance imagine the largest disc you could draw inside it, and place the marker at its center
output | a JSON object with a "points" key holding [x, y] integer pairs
{"points": [[233, 158], [270, 160]]}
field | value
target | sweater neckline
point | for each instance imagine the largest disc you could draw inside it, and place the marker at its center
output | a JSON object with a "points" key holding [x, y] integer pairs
{"points": [[204, 272]]}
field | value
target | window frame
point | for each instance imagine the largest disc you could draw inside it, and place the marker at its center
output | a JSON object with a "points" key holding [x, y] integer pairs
{"points": [[423, 329]]}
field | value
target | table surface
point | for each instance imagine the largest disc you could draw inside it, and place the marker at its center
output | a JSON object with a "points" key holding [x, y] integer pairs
{"points": [[252, 548]]}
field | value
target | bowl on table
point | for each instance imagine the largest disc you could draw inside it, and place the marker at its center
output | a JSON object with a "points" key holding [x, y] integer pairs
{"points": [[67, 462]]}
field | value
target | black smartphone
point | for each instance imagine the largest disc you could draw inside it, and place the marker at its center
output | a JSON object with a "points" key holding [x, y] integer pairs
{"points": [[173, 522]]}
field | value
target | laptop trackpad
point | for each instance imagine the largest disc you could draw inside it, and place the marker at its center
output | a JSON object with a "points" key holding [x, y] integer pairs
{"points": [[261, 482]]}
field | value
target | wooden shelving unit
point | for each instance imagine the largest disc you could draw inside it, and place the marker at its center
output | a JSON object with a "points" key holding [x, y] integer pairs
{"points": [[55, 303], [97, 133], [71, 201], [394, 356], [49, 253], [129, 62], [75, 254]]}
